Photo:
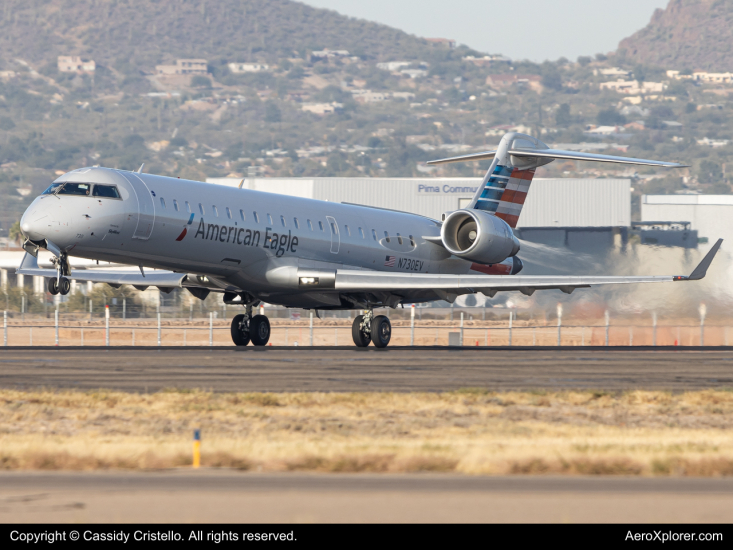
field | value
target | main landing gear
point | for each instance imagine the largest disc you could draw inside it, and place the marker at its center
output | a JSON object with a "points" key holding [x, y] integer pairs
{"points": [[368, 328], [247, 328]]}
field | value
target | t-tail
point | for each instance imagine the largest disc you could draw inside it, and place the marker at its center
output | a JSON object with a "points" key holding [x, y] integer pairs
{"points": [[507, 181]]}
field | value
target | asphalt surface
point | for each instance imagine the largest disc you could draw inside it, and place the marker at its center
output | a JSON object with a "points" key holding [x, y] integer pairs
{"points": [[275, 369], [228, 496]]}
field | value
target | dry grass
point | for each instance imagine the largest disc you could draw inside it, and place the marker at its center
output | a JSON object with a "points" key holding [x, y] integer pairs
{"points": [[469, 431]]}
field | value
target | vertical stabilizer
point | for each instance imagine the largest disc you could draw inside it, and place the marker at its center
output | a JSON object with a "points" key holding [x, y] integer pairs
{"points": [[506, 183]]}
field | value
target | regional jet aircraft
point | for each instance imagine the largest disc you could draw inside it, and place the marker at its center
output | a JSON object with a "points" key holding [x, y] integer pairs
{"points": [[261, 247]]}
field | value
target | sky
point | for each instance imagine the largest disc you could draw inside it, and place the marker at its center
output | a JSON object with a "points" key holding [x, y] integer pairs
{"points": [[537, 30]]}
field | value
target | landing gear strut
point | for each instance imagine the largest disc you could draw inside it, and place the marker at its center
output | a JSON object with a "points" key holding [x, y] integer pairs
{"points": [[368, 328], [247, 328]]}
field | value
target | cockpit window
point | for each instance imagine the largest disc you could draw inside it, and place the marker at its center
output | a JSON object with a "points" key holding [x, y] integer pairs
{"points": [[52, 188], [106, 191], [83, 189]]}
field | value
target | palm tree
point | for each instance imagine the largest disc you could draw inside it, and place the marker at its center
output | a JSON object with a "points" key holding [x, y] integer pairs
{"points": [[14, 233]]}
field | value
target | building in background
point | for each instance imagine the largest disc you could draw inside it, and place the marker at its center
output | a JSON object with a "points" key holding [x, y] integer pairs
{"points": [[587, 215], [184, 66], [75, 64], [710, 215]]}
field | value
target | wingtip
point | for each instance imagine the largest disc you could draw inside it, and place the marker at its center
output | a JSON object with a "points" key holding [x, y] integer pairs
{"points": [[702, 268]]}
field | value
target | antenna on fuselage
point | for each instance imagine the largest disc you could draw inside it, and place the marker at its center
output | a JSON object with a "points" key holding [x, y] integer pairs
{"points": [[139, 170], [241, 183]]}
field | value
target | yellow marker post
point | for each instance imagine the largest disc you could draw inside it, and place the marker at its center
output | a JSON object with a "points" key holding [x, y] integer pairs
{"points": [[196, 448]]}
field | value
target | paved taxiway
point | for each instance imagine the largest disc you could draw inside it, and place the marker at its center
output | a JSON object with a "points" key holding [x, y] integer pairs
{"points": [[226, 496], [348, 369]]}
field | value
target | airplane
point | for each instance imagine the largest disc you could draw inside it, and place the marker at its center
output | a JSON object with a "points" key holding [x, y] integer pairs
{"points": [[256, 247]]}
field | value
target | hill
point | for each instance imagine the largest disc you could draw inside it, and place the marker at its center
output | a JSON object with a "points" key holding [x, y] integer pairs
{"points": [[130, 35], [688, 34]]}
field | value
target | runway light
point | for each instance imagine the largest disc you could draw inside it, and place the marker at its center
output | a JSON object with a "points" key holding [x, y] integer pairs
{"points": [[196, 448]]}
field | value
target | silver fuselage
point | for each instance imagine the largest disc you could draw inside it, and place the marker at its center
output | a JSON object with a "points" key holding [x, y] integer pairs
{"points": [[158, 223]]}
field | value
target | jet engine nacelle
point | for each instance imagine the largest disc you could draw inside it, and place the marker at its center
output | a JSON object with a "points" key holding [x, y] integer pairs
{"points": [[478, 236]]}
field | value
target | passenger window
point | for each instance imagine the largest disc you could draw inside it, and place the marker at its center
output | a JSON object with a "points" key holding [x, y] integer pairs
{"points": [[162, 202], [295, 221], [412, 241], [257, 218], [320, 225], [374, 234], [386, 235], [269, 218], [201, 209], [109, 191], [229, 213], [188, 207], [310, 225], [348, 231], [282, 220], [83, 189], [399, 238], [241, 214], [216, 212], [175, 205], [361, 232]]}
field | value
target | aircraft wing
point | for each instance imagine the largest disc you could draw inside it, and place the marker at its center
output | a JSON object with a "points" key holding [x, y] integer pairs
{"points": [[161, 279], [347, 280]]}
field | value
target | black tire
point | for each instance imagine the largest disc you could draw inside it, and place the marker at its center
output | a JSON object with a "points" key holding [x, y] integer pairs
{"points": [[64, 286], [259, 330], [53, 287], [360, 339], [381, 331], [240, 337]]}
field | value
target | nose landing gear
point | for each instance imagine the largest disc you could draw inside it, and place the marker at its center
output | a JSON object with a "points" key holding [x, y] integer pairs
{"points": [[247, 328], [59, 286], [368, 328]]}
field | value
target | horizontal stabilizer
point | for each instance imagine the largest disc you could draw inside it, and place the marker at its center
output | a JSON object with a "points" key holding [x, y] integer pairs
{"points": [[558, 154], [574, 155]]}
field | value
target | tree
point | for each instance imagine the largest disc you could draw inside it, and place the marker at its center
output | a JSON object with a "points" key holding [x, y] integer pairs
{"points": [[709, 172], [14, 233], [552, 80], [563, 116], [272, 112], [199, 81], [610, 117]]}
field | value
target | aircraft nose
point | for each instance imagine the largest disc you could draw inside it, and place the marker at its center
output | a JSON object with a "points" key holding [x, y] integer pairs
{"points": [[34, 222]]}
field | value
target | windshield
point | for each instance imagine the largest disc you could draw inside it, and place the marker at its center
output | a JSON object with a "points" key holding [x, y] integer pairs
{"points": [[76, 189], [51, 189], [106, 191]]}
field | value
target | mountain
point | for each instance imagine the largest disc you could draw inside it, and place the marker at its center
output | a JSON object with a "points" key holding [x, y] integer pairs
{"points": [[138, 34], [688, 34]]}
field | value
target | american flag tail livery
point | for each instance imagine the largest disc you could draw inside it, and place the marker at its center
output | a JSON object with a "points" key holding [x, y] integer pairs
{"points": [[508, 179]]}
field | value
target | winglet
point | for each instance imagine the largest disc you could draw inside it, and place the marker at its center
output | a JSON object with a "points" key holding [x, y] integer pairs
{"points": [[702, 268]]}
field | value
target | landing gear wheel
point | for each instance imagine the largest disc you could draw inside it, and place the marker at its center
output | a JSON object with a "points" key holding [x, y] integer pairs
{"points": [[240, 330], [64, 286], [361, 338], [259, 330], [381, 331], [53, 286]]}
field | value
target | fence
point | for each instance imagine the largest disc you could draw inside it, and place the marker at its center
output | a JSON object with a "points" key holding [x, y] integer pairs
{"points": [[337, 332]]}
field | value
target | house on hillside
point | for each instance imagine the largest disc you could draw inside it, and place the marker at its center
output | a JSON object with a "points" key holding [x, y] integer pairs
{"points": [[75, 64], [503, 81], [633, 87], [184, 67], [322, 108], [450, 43], [238, 68]]}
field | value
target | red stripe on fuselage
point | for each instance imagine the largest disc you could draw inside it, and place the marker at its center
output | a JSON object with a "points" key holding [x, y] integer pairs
{"points": [[183, 234]]}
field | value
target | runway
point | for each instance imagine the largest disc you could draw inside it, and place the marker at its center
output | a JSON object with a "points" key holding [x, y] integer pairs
{"points": [[348, 369], [229, 496]]}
